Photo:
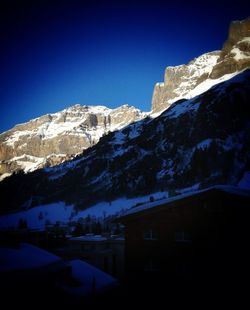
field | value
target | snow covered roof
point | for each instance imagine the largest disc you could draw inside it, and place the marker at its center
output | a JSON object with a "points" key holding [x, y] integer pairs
{"points": [[90, 279], [25, 257], [96, 238], [89, 238], [225, 188]]}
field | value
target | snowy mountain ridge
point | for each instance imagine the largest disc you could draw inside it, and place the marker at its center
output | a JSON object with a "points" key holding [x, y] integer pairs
{"points": [[188, 81], [53, 138], [195, 143]]}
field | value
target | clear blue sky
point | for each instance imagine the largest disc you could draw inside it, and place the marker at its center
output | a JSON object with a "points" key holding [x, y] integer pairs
{"points": [[54, 54]]}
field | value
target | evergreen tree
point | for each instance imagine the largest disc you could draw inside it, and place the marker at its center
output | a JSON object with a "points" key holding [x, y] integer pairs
{"points": [[78, 231]]}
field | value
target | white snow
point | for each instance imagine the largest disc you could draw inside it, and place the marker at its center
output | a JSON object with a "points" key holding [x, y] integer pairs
{"points": [[27, 162], [38, 216], [16, 136], [89, 237], [193, 192], [135, 130], [181, 108], [203, 64], [26, 256], [91, 279], [5, 175], [51, 212], [68, 122], [196, 68], [160, 84], [156, 114], [121, 151], [57, 175], [189, 189], [204, 144], [119, 137], [204, 86], [116, 206], [245, 181], [246, 39], [238, 54]]}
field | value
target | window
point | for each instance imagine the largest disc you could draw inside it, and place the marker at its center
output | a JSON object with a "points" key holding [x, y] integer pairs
{"points": [[150, 234], [182, 236], [151, 265]]}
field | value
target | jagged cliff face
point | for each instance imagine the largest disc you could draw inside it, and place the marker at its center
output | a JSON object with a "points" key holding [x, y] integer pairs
{"points": [[188, 81], [54, 138], [235, 54]]}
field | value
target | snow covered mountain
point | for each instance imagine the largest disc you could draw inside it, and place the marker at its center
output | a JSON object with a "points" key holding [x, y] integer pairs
{"points": [[200, 74], [194, 144], [54, 138]]}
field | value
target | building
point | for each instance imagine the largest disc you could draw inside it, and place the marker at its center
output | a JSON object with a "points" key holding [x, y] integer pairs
{"points": [[30, 276], [104, 252], [200, 237]]}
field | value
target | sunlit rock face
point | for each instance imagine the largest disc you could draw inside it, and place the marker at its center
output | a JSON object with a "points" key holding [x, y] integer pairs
{"points": [[51, 139], [200, 74], [235, 54]]}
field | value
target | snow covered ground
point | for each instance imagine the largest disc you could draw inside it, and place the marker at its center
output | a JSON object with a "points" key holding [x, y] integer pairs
{"points": [[37, 217]]}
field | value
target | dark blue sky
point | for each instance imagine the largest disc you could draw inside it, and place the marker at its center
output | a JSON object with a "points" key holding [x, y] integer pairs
{"points": [[54, 54]]}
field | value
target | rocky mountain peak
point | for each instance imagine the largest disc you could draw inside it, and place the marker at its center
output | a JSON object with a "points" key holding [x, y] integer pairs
{"points": [[235, 53], [238, 30], [188, 81], [53, 138]]}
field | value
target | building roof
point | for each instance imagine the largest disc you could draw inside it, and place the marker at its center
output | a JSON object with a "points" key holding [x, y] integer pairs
{"points": [[97, 238], [28, 257], [90, 279], [89, 237], [25, 257], [158, 203]]}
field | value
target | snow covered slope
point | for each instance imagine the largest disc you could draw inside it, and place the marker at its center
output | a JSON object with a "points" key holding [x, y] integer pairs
{"points": [[38, 217], [54, 138]]}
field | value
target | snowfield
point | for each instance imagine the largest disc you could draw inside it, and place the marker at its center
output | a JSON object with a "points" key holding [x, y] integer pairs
{"points": [[39, 216]]}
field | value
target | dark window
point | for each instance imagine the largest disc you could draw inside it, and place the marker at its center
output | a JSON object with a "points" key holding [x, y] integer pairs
{"points": [[150, 234], [151, 265], [182, 236]]}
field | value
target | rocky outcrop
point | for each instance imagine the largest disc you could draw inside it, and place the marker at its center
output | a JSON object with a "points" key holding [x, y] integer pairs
{"points": [[179, 81], [188, 81], [235, 54], [54, 138]]}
